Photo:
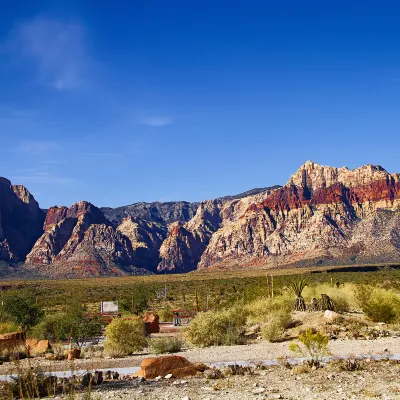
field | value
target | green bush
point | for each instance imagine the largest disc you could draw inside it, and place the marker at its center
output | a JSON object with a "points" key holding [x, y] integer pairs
{"points": [[379, 305], [53, 327], [217, 328], [7, 327], [22, 310], [314, 345], [125, 336], [137, 301], [165, 314], [274, 328], [165, 345]]}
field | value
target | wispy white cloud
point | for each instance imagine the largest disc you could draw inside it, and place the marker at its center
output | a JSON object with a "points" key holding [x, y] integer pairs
{"points": [[37, 147], [156, 121], [34, 175], [57, 49]]}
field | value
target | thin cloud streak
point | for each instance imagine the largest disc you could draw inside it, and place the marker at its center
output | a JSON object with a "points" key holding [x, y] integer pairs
{"points": [[37, 147], [42, 177], [156, 121], [56, 48]]}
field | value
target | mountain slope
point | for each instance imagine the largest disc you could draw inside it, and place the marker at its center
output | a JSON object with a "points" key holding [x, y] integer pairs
{"points": [[21, 221], [323, 215]]}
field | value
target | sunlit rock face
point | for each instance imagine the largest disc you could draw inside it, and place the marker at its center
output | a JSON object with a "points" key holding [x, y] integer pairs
{"points": [[323, 215]]}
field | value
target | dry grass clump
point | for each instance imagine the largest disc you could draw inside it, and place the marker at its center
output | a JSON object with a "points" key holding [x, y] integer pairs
{"points": [[260, 310], [215, 328], [274, 328], [274, 315], [165, 345], [342, 296]]}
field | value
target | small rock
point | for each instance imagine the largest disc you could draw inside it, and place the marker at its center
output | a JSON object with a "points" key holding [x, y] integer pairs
{"points": [[169, 376], [158, 378], [259, 390], [186, 398]]}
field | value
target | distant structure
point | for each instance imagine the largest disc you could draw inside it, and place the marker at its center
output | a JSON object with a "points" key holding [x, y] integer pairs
{"points": [[109, 307]]}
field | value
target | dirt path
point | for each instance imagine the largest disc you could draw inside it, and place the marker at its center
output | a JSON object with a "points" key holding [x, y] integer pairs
{"points": [[252, 352]]}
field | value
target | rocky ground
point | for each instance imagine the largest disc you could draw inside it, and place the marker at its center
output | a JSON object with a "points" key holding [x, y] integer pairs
{"points": [[258, 351], [370, 380]]}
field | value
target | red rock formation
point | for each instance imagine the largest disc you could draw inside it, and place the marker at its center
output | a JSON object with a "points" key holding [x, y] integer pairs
{"points": [[316, 217]]}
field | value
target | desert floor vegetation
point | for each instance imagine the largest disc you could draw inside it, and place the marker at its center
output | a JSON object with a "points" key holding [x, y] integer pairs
{"points": [[125, 336]]}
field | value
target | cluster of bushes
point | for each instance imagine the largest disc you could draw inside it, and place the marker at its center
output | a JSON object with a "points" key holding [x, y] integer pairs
{"points": [[215, 328], [379, 305], [274, 315]]}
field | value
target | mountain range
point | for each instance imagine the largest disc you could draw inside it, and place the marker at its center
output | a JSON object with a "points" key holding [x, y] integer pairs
{"points": [[321, 216]]}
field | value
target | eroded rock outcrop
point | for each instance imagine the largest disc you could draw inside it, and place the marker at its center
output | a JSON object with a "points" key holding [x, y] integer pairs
{"points": [[322, 215], [21, 221], [186, 243], [80, 241]]}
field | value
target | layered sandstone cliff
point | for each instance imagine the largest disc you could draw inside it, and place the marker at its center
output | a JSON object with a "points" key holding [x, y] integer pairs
{"points": [[323, 215]]}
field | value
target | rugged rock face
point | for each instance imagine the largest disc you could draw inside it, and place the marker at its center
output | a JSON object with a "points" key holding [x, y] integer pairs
{"points": [[80, 241], [21, 221], [160, 213], [185, 243], [146, 239], [323, 215]]}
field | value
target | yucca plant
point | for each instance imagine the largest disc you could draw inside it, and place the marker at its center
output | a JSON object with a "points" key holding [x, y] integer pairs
{"points": [[297, 289]]}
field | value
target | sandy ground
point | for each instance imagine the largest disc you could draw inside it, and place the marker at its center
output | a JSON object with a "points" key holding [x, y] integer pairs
{"points": [[374, 380], [258, 351]]}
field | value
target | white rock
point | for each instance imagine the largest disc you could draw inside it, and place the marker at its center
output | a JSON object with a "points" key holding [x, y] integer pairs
{"points": [[331, 315], [169, 376], [259, 390]]}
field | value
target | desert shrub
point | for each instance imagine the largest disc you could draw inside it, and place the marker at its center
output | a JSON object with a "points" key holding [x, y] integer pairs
{"points": [[260, 310], [92, 351], [165, 345], [125, 336], [137, 301], [10, 353], [274, 328], [78, 326], [314, 346], [7, 327], [343, 297], [22, 309], [31, 383], [53, 327], [217, 328], [165, 314], [379, 305]]}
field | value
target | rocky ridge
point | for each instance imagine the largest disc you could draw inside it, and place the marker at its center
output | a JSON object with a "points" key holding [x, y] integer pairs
{"points": [[323, 215]]}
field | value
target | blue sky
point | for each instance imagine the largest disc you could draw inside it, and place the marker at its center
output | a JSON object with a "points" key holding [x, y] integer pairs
{"points": [[119, 102]]}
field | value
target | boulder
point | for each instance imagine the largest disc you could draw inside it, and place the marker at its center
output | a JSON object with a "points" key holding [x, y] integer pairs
{"points": [[12, 340], [37, 347], [73, 354], [331, 316], [151, 322], [178, 366]]}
